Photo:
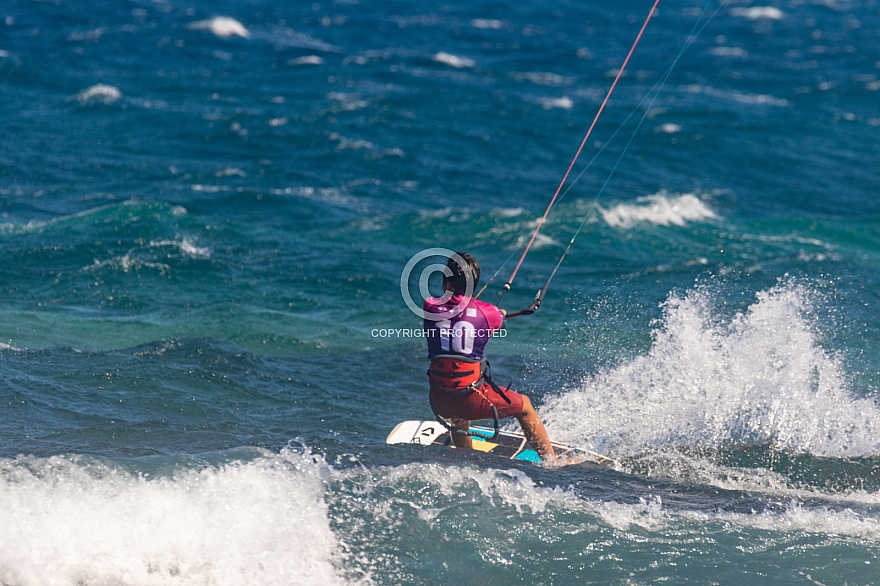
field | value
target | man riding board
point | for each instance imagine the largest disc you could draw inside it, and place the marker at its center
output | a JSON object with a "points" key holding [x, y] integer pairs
{"points": [[457, 328]]}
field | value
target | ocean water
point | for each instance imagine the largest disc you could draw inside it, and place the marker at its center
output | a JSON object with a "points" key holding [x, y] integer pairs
{"points": [[205, 212]]}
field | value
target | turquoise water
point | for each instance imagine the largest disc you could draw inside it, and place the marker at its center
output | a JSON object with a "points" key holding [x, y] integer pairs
{"points": [[205, 212]]}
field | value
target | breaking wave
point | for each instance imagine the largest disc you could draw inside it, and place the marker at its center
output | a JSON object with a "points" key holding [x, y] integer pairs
{"points": [[759, 378], [221, 26], [82, 521], [660, 209]]}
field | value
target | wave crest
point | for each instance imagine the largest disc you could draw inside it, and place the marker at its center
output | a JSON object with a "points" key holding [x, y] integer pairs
{"points": [[660, 209], [80, 520], [222, 26]]}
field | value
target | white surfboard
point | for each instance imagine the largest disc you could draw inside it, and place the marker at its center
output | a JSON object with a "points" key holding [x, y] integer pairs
{"points": [[511, 445]]}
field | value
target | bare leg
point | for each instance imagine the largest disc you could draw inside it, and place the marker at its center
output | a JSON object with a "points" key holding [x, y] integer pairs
{"points": [[535, 432], [462, 441]]}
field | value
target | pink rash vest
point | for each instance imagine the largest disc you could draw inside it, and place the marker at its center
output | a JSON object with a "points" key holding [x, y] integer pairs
{"points": [[465, 330]]}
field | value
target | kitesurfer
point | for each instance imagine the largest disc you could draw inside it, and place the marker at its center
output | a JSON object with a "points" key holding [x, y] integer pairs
{"points": [[457, 328]]}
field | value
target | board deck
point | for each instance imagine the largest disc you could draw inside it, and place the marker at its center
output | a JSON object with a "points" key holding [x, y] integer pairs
{"points": [[508, 444]]}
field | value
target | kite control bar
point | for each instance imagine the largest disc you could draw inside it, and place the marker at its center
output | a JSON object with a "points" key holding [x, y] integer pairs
{"points": [[533, 306]]}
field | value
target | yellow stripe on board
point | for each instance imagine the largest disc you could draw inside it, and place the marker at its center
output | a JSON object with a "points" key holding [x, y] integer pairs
{"points": [[484, 446]]}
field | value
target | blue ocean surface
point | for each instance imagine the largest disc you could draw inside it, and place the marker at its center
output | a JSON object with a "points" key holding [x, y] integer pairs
{"points": [[206, 210]]}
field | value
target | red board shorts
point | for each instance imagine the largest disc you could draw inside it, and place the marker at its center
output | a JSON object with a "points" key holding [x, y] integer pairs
{"points": [[478, 405]]}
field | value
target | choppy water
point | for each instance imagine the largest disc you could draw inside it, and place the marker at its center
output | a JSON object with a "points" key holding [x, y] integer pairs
{"points": [[206, 208]]}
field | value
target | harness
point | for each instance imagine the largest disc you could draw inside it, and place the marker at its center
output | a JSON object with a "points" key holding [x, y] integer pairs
{"points": [[457, 376]]}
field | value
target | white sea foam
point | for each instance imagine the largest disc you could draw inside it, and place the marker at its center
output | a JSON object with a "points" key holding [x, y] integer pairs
{"points": [[423, 494], [185, 246], [759, 12], [222, 26], [543, 78], [487, 23], [306, 60], [126, 264], [200, 187], [543, 241], [660, 209], [324, 195], [736, 52], [668, 128], [447, 487], [82, 522], [759, 378], [290, 518], [454, 60], [230, 172], [795, 519], [345, 143], [758, 99], [99, 94], [508, 212], [564, 103], [347, 102]]}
